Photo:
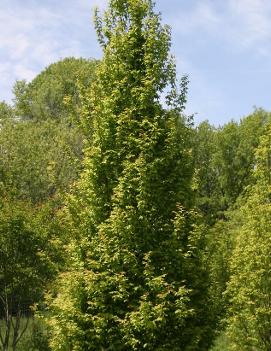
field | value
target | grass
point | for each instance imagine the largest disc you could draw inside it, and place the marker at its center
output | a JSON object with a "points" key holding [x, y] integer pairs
{"points": [[34, 338]]}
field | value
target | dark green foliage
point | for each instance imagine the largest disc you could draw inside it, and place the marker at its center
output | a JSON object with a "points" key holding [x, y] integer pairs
{"points": [[25, 268], [40, 151], [206, 183], [38, 159], [225, 159], [36, 338], [55, 92]]}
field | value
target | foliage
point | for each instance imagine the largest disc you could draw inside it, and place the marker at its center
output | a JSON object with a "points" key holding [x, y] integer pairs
{"points": [[36, 338], [55, 92], [237, 149], [137, 268], [249, 288], [6, 112], [224, 160], [41, 151], [25, 268], [221, 343], [208, 194], [134, 277], [38, 159]]}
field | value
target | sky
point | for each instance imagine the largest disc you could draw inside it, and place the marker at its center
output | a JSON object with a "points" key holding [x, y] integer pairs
{"points": [[223, 45]]}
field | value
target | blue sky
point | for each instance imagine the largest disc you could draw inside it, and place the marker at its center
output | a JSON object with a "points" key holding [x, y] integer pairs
{"points": [[224, 46]]}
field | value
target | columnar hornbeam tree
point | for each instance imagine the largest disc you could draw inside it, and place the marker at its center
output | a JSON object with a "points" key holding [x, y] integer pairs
{"points": [[134, 279]]}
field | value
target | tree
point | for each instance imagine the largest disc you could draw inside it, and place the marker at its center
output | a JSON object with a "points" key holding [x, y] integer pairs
{"points": [[41, 137], [249, 287], [236, 145], [25, 268], [40, 156], [206, 185], [55, 92], [38, 159], [225, 159], [134, 277], [6, 112]]}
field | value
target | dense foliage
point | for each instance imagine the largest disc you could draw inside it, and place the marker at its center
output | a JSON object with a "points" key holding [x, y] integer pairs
{"points": [[40, 157], [55, 92], [249, 287], [122, 225], [134, 277]]}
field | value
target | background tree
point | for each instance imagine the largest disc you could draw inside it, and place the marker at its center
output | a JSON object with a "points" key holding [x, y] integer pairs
{"points": [[134, 277], [25, 267], [39, 159], [6, 112], [249, 287], [225, 163], [206, 184], [224, 160], [55, 92], [236, 153], [41, 152]]}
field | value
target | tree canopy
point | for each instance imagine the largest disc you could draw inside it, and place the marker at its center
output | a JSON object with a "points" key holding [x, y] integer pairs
{"points": [[134, 277]]}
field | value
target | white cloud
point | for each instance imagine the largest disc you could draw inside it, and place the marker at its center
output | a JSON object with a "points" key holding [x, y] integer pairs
{"points": [[22, 71], [251, 23], [34, 34], [217, 41], [240, 24], [200, 16]]}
